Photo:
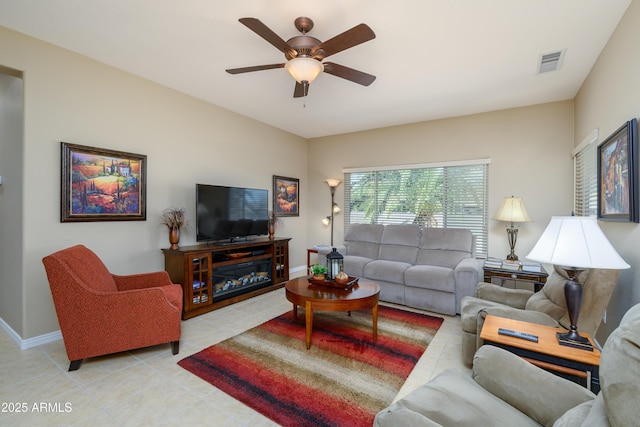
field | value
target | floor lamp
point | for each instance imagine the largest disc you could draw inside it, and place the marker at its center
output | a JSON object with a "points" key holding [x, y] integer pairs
{"points": [[575, 243], [332, 183]]}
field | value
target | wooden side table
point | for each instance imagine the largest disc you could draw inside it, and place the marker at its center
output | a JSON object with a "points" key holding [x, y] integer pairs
{"points": [[309, 252], [537, 278], [581, 366]]}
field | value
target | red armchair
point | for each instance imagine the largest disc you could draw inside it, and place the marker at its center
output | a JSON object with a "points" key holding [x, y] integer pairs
{"points": [[101, 313]]}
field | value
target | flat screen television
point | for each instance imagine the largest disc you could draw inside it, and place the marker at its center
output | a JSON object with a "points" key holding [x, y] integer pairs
{"points": [[230, 213]]}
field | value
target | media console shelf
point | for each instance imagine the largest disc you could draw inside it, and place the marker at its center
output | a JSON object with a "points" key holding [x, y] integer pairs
{"points": [[216, 275]]}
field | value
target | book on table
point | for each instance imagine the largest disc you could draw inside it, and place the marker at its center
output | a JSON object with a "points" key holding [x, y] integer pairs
{"points": [[511, 265], [531, 267], [493, 263]]}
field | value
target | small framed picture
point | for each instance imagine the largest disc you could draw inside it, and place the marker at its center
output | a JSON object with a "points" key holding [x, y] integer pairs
{"points": [[618, 175], [286, 196], [102, 185]]}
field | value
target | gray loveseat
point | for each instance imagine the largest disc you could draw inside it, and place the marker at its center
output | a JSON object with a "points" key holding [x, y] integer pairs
{"points": [[505, 390], [425, 268]]}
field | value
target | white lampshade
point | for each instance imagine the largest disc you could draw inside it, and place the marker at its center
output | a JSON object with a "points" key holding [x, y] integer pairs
{"points": [[326, 221], [576, 241], [512, 210], [333, 182], [304, 69]]}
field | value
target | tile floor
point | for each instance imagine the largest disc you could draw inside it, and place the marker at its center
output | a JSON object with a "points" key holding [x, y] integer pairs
{"points": [[147, 387]]}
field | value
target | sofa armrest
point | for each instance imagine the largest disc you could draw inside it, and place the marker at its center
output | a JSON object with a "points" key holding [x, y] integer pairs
{"points": [[537, 393], [142, 281], [516, 298], [466, 274]]}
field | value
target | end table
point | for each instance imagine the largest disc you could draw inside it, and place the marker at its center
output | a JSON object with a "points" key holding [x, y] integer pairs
{"points": [[575, 364], [538, 278]]}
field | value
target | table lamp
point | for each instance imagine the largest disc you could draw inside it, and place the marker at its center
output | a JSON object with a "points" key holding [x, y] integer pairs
{"points": [[512, 210], [575, 243]]}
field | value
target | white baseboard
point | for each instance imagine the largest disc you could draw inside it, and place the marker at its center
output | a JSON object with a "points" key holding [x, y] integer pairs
{"points": [[29, 342], [57, 335], [294, 270]]}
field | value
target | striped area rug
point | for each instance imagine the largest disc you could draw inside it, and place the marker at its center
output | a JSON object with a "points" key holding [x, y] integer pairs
{"points": [[343, 380]]}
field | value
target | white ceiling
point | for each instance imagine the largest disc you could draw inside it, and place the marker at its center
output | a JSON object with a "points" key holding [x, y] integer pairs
{"points": [[433, 58]]}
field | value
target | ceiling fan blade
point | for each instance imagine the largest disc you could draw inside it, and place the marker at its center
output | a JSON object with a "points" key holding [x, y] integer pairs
{"points": [[300, 90], [266, 33], [254, 68], [350, 38], [348, 73]]}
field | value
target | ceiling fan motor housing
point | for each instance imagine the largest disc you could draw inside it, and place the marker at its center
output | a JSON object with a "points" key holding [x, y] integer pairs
{"points": [[303, 45]]}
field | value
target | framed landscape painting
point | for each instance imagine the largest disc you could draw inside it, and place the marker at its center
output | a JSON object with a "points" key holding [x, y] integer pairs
{"points": [[102, 185], [286, 196], [618, 175]]}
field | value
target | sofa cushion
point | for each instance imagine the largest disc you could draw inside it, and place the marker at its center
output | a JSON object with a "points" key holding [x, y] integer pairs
{"points": [[430, 277], [445, 247], [363, 240], [620, 370], [387, 271], [526, 387], [452, 399], [354, 265], [551, 299], [598, 284], [576, 417], [400, 243]]}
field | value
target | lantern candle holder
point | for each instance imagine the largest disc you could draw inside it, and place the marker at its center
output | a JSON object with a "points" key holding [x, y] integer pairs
{"points": [[335, 264]]}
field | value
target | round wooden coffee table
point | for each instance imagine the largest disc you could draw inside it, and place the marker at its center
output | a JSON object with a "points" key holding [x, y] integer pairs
{"points": [[325, 298]]}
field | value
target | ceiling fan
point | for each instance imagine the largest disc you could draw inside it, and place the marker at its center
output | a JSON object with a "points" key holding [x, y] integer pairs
{"points": [[305, 54]]}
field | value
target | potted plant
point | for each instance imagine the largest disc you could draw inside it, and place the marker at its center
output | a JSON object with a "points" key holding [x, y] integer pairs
{"points": [[174, 219], [318, 271]]}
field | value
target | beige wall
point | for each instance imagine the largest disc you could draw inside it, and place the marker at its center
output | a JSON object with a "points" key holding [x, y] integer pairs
{"points": [[530, 152], [608, 98], [74, 99], [11, 125], [71, 98]]}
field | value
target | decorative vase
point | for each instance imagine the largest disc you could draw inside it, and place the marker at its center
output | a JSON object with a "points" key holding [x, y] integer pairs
{"points": [[342, 278], [272, 229], [174, 237]]}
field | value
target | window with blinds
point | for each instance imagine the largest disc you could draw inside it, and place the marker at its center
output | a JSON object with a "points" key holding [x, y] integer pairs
{"points": [[443, 195], [585, 177]]}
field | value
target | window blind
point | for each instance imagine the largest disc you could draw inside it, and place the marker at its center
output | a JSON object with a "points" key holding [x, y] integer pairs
{"points": [[446, 196], [585, 177]]}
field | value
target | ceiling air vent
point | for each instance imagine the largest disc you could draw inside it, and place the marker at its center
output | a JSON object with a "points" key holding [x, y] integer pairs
{"points": [[550, 61]]}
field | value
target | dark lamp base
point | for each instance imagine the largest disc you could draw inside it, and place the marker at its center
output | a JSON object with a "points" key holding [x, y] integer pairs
{"points": [[573, 339]]}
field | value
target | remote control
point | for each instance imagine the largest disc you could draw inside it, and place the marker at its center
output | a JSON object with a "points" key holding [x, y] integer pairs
{"points": [[515, 334]]}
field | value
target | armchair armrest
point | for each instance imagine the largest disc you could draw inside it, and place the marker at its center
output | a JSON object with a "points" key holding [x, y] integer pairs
{"points": [[537, 393], [123, 319], [516, 298], [528, 316], [142, 281]]}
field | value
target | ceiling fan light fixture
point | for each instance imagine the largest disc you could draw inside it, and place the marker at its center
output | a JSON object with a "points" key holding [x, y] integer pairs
{"points": [[304, 69]]}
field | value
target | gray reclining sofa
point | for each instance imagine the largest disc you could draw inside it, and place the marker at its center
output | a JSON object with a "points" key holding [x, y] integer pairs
{"points": [[425, 268]]}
